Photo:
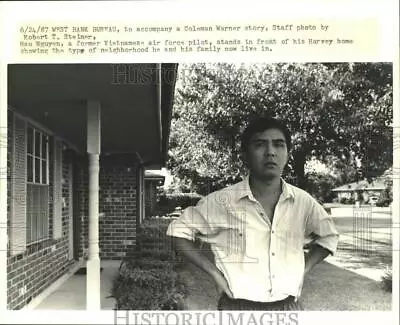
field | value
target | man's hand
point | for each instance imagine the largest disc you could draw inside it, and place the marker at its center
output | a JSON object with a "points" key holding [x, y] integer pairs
{"points": [[195, 256], [316, 255], [221, 283]]}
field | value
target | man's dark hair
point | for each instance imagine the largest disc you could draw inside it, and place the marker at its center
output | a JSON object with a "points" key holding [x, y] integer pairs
{"points": [[261, 124]]}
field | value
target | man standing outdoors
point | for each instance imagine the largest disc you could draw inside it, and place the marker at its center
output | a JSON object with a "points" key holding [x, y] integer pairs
{"points": [[257, 228]]}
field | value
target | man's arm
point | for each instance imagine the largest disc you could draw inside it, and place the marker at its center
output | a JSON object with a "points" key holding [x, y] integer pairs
{"points": [[316, 255], [321, 228], [188, 250]]}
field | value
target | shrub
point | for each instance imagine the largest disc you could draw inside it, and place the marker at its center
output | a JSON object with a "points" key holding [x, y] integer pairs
{"points": [[153, 230], [383, 201], [162, 255], [386, 197], [387, 280], [150, 286], [147, 263], [345, 200], [168, 202], [147, 280], [153, 242]]}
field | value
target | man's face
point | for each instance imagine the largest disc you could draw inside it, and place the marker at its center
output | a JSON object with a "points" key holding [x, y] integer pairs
{"points": [[267, 154]]}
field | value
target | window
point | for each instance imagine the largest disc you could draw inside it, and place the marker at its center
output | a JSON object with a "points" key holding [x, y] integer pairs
{"points": [[37, 157], [37, 194], [37, 208]]}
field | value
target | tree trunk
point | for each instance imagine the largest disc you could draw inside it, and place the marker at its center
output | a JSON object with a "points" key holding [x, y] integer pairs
{"points": [[299, 163]]}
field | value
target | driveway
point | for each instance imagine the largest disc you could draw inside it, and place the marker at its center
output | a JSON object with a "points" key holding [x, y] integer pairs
{"points": [[365, 246]]}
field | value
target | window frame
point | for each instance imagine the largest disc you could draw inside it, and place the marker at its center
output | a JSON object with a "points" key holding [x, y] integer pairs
{"points": [[35, 157], [43, 215]]}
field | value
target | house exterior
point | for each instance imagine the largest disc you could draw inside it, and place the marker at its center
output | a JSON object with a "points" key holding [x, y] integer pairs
{"points": [[368, 191], [78, 139]]}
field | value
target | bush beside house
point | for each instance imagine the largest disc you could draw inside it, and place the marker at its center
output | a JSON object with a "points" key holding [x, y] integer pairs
{"points": [[386, 197], [147, 279], [387, 280], [168, 202], [345, 200]]}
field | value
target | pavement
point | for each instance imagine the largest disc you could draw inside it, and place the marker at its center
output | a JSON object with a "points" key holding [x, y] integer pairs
{"points": [[370, 260], [71, 295], [365, 250]]}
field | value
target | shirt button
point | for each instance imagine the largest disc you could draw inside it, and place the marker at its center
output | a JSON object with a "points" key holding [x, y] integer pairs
{"points": [[273, 232], [273, 254], [273, 276]]}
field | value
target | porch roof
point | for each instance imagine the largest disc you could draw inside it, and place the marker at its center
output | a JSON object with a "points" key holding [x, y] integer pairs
{"points": [[136, 103]]}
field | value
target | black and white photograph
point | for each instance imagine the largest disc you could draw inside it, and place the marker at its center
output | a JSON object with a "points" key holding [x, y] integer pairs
{"points": [[200, 186], [175, 162]]}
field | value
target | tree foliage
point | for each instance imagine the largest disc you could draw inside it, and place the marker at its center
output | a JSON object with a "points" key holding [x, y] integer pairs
{"points": [[320, 185], [339, 113]]}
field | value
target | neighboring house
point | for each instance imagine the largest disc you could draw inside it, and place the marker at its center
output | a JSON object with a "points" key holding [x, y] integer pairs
{"points": [[152, 180], [369, 191], [80, 137]]}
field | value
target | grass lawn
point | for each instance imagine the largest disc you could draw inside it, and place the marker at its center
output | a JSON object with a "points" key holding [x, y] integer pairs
{"points": [[201, 293], [328, 287], [364, 243]]}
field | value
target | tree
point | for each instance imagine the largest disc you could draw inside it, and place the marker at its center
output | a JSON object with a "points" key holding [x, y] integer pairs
{"points": [[365, 102], [338, 113], [320, 186]]}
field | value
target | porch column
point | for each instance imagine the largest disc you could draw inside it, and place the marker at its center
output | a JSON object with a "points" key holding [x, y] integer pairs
{"points": [[3, 191], [93, 262]]}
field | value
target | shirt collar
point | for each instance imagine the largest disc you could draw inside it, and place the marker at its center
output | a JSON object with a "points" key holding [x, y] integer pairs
{"points": [[245, 191]]}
